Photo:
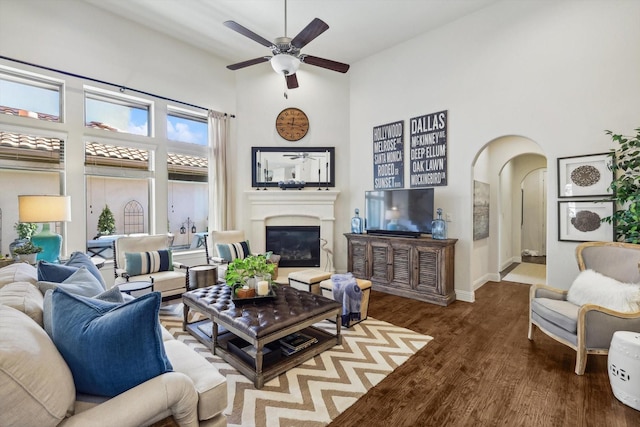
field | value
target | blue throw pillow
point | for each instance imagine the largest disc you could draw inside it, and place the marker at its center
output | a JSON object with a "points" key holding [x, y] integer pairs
{"points": [[79, 259], [109, 347], [57, 273], [81, 282], [137, 263], [112, 295], [231, 251]]}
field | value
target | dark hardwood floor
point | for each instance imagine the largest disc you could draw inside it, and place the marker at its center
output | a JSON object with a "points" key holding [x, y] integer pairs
{"points": [[481, 370]]}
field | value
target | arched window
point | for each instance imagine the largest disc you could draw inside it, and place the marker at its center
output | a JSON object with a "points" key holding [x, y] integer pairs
{"points": [[133, 217]]}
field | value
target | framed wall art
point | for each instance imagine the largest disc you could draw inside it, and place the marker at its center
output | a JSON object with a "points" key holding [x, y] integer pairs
{"points": [[581, 221], [581, 176]]}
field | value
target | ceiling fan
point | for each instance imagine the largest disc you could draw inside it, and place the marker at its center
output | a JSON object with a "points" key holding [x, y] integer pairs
{"points": [[286, 57], [303, 156]]}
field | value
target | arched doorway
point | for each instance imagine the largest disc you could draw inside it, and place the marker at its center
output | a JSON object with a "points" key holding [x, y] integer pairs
{"points": [[503, 164]]}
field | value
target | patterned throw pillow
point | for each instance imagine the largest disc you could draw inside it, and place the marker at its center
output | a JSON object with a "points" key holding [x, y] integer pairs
{"points": [[137, 263], [231, 251]]}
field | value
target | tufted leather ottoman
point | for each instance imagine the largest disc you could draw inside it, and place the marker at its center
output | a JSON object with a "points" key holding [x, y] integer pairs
{"points": [[259, 324]]}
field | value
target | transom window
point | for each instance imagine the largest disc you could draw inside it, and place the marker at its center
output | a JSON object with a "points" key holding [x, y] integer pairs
{"points": [[187, 126], [29, 95], [117, 113]]}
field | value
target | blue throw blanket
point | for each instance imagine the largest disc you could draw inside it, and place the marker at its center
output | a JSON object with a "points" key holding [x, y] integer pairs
{"points": [[347, 291]]}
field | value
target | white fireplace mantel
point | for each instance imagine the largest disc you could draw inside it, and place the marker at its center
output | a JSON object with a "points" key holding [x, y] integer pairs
{"points": [[292, 207]]}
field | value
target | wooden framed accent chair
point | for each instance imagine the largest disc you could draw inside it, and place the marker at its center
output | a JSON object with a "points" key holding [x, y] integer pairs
{"points": [[604, 298], [149, 258]]}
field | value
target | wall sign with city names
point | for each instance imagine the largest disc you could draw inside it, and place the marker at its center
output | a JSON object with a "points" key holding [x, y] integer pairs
{"points": [[428, 153], [388, 156]]}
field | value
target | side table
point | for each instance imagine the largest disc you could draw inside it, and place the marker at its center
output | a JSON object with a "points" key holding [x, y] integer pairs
{"points": [[137, 288]]}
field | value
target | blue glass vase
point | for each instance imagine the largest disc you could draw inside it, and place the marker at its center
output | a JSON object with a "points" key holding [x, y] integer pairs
{"points": [[439, 227]]}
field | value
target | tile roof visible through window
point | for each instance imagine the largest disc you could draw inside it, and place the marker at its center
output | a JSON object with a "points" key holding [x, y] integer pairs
{"points": [[24, 113], [15, 146]]}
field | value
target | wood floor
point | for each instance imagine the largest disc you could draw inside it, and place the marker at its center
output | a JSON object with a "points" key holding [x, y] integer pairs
{"points": [[481, 370]]}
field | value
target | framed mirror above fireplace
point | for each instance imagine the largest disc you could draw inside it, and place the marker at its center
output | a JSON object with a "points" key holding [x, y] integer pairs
{"points": [[313, 165]]}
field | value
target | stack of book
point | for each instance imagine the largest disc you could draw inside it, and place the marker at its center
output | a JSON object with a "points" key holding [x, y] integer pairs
{"points": [[295, 342]]}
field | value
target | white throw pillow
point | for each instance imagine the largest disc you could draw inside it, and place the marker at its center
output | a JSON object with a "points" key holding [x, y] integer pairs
{"points": [[591, 287]]}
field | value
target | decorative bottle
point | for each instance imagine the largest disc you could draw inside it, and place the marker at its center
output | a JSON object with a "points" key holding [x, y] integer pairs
{"points": [[357, 226], [439, 227]]}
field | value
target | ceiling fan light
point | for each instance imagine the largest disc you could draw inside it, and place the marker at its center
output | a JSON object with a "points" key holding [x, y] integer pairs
{"points": [[285, 64]]}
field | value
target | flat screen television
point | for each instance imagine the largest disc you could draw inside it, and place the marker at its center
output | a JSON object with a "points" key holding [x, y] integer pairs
{"points": [[407, 212]]}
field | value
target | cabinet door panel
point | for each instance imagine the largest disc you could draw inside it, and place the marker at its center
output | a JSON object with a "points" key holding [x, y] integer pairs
{"points": [[358, 259], [401, 266], [427, 271], [380, 262]]}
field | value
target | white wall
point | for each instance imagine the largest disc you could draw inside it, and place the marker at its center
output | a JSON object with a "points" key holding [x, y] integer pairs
{"points": [[558, 73]]}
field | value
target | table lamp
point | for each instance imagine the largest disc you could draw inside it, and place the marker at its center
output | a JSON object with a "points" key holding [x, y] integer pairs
{"points": [[45, 209]]}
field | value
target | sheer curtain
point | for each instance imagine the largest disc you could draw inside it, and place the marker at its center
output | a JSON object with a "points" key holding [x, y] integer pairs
{"points": [[220, 200]]}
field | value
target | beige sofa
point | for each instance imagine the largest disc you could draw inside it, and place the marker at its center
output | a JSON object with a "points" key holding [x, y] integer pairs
{"points": [[38, 388]]}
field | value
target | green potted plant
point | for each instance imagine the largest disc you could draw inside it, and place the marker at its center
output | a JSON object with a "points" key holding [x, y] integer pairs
{"points": [[106, 222], [241, 271], [625, 187], [27, 252], [25, 230]]}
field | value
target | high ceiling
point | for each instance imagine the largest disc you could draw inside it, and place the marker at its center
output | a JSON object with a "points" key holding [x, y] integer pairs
{"points": [[357, 28]]}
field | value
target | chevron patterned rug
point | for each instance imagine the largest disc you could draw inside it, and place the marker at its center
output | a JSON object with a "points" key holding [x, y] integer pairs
{"points": [[317, 391]]}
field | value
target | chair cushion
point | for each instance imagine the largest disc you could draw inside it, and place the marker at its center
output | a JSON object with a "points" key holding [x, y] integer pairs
{"points": [[230, 251], [591, 287], [137, 263], [37, 386], [109, 347], [561, 313], [81, 282]]}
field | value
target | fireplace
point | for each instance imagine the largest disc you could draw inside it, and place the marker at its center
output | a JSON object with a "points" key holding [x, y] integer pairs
{"points": [[298, 246], [292, 208]]}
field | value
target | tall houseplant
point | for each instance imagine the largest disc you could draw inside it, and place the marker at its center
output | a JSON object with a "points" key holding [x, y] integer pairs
{"points": [[106, 222], [625, 187]]}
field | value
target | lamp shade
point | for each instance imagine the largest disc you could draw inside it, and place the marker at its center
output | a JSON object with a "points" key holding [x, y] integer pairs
{"points": [[285, 64], [44, 208]]}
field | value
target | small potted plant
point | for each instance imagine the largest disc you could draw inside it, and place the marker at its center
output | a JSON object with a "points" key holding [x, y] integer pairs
{"points": [[27, 252], [240, 273], [25, 230]]}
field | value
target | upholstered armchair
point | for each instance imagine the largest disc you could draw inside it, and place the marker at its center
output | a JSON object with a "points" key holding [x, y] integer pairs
{"points": [[228, 245], [148, 258], [603, 299]]}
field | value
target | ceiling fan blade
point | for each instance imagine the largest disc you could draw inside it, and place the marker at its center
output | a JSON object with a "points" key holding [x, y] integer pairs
{"points": [[325, 63], [310, 32], [243, 64], [292, 81], [247, 33]]}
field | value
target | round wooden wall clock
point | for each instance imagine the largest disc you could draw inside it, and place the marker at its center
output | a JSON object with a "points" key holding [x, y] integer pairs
{"points": [[292, 124]]}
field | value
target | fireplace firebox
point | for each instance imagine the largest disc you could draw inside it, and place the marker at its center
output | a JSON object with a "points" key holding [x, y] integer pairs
{"points": [[298, 246]]}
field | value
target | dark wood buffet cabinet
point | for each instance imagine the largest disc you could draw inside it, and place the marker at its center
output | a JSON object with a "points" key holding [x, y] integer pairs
{"points": [[420, 268]]}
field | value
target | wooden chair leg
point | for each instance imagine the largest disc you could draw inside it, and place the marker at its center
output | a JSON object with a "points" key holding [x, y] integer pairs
{"points": [[581, 361], [530, 334]]}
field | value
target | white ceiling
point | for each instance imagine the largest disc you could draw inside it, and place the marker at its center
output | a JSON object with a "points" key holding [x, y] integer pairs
{"points": [[357, 28]]}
